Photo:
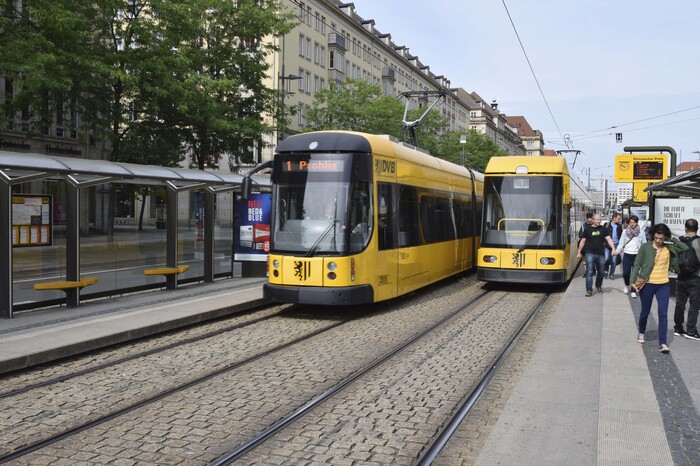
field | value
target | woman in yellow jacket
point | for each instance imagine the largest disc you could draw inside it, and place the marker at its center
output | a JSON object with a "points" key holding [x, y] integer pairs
{"points": [[650, 277]]}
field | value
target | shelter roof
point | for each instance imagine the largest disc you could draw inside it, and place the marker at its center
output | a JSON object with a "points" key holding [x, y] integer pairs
{"points": [[18, 167]]}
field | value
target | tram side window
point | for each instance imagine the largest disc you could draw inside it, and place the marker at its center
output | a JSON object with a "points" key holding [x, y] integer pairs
{"points": [[409, 229], [463, 217], [444, 229], [427, 205], [384, 217]]}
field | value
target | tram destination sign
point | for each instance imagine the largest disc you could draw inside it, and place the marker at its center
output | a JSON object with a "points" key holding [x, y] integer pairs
{"points": [[316, 166], [633, 168]]}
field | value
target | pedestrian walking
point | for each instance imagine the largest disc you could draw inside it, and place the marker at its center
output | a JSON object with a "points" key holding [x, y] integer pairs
{"points": [[589, 221], [650, 278], [688, 288], [632, 239], [615, 228], [594, 239]]}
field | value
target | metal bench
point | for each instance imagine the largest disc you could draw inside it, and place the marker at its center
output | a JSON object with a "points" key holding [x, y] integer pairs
{"points": [[65, 285], [165, 271]]}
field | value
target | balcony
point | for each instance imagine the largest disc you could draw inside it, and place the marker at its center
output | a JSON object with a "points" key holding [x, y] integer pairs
{"points": [[336, 40], [336, 76], [389, 74]]}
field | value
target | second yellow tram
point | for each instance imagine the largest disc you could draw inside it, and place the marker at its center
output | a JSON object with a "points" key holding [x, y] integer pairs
{"points": [[533, 209]]}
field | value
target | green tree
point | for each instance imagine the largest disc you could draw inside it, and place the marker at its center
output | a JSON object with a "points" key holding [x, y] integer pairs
{"points": [[355, 105], [193, 68]]}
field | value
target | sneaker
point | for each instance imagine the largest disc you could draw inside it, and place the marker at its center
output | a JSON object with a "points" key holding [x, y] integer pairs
{"points": [[692, 336], [633, 294], [589, 294], [664, 349], [679, 333], [640, 338], [599, 290], [626, 290], [612, 277]]}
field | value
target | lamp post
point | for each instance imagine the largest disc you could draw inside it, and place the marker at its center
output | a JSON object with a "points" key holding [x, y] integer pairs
{"points": [[696, 152], [282, 123], [462, 143]]}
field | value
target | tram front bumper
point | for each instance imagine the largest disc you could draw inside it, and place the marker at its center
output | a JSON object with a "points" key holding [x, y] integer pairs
{"points": [[331, 296], [521, 276]]}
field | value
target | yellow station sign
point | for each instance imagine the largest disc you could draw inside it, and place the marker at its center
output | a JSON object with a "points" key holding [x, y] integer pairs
{"points": [[639, 195], [631, 168]]}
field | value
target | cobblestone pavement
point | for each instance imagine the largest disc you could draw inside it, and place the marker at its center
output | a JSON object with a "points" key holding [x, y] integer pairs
{"points": [[468, 440], [34, 415], [198, 425], [384, 419], [389, 417], [37, 375], [680, 416]]}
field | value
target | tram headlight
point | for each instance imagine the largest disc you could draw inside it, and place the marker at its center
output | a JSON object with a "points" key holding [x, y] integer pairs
{"points": [[332, 266], [331, 275], [491, 259], [275, 263], [548, 261]]}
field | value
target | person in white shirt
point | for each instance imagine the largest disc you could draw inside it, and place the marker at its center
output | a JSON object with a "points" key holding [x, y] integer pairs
{"points": [[632, 238]]}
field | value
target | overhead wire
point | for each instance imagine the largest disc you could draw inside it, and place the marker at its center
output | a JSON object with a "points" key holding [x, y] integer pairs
{"points": [[638, 121], [591, 136], [533, 73]]}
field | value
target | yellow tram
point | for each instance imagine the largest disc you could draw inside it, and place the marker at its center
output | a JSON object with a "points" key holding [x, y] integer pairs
{"points": [[360, 218], [532, 212]]}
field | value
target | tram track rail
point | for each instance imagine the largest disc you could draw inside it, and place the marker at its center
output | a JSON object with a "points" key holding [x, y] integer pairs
{"points": [[138, 355], [247, 446], [278, 413], [444, 435], [67, 433]]}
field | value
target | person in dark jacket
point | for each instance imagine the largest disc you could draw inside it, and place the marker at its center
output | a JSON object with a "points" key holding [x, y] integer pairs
{"points": [[688, 288], [650, 278], [615, 230]]}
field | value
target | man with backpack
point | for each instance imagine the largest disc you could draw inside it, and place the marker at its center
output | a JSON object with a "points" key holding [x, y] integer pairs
{"points": [[688, 283]]}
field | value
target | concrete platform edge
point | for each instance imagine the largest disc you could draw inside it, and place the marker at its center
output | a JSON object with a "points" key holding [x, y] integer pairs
{"points": [[52, 354]]}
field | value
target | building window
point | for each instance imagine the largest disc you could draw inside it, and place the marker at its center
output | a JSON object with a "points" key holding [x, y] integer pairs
{"points": [[302, 42], [301, 81], [302, 9]]}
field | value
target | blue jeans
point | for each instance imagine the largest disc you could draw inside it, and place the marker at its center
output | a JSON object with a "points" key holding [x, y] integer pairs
{"points": [[599, 261], [646, 296], [610, 261]]}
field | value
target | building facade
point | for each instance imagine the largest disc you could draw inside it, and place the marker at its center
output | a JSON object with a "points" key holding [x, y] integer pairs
{"points": [[332, 42]]}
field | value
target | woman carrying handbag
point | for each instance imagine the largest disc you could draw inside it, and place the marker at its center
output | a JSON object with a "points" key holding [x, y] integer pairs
{"points": [[650, 278], [632, 239]]}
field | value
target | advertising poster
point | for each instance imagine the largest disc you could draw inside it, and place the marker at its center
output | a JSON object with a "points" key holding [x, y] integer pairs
{"points": [[674, 213], [252, 224], [31, 220]]}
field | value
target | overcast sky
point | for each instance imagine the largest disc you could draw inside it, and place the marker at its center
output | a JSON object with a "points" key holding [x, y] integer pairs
{"points": [[600, 63]]}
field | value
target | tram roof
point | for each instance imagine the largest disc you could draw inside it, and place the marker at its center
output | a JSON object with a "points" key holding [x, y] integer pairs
{"points": [[535, 164], [685, 184], [20, 167]]}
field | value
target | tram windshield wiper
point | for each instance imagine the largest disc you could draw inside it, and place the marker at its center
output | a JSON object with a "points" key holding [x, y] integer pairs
{"points": [[538, 234], [322, 237]]}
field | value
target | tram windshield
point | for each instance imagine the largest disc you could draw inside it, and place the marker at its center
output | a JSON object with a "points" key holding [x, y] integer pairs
{"points": [[323, 204], [524, 212]]}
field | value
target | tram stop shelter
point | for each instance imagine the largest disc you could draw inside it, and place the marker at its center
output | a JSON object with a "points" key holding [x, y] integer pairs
{"points": [[17, 168], [685, 185]]}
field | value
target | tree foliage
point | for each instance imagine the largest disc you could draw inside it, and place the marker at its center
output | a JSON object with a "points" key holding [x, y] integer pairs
{"points": [[145, 75], [356, 105]]}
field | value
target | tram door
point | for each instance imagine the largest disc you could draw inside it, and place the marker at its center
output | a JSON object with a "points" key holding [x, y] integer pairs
{"points": [[386, 267]]}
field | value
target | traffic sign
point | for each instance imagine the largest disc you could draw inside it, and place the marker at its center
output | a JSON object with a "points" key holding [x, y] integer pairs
{"points": [[632, 168], [639, 195]]}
